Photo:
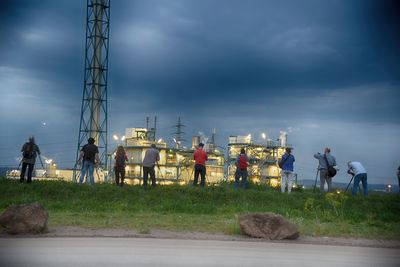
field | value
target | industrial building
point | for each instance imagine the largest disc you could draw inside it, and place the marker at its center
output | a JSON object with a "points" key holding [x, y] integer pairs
{"points": [[176, 163], [263, 158]]}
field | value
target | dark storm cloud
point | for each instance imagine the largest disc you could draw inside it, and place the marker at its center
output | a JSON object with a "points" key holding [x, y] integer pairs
{"points": [[188, 50]]}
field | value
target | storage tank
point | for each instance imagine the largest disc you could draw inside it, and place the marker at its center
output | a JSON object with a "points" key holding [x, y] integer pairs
{"points": [[283, 138], [195, 141]]}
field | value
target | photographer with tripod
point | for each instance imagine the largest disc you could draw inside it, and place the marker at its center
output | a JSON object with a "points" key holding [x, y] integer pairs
{"points": [[325, 161], [360, 175]]}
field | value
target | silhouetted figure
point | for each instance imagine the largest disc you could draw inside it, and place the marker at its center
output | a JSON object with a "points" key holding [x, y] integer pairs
{"points": [[29, 153], [120, 164]]}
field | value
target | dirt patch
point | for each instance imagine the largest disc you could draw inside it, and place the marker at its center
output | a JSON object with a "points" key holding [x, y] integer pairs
{"points": [[74, 231]]}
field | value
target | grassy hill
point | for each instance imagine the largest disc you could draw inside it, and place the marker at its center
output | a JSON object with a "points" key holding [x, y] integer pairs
{"points": [[212, 209]]}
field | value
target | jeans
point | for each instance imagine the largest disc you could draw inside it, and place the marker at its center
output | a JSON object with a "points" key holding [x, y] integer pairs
{"points": [[199, 170], [119, 176], [362, 177], [323, 177], [146, 172], [286, 180], [240, 173], [23, 170], [87, 165]]}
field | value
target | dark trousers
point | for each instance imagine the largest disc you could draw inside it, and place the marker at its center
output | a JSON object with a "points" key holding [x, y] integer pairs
{"points": [[146, 172], [240, 173], [23, 170], [199, 170], [119, 176]]}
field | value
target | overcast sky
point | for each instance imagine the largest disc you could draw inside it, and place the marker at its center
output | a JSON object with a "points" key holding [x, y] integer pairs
{"points": [[327, 72]]}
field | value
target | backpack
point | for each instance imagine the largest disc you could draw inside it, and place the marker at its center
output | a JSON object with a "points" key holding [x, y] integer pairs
{"points": [[120, 160], [28, 151], [242, 162], [331, 170]]}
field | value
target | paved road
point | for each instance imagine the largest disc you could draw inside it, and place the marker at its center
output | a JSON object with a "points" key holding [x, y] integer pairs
{"points": [[98, 252]]}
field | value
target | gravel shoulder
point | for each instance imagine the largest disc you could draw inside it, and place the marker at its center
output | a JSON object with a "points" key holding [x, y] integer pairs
{"points": [[74, 231]]}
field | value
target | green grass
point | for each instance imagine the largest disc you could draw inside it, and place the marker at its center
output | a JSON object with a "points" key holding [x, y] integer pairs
{"points": [[212, 209]]}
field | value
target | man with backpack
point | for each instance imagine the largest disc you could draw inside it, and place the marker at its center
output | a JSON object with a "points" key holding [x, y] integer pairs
{"points": [[29, 153], [89, 157], [241, 169], [326, 162], [200, 158], [286, 164], [119, 167]]}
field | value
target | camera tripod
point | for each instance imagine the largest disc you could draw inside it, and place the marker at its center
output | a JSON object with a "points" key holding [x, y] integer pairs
{"points": [[316, 177]]}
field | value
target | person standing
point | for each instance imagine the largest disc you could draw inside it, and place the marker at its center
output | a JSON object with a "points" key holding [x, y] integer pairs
{"points": [[360, 175], [89, 158], [200, 158], [398, 176], [29, 153], [287, 170], [323, 168], [120, 164], [151, 158], [241, 169]]}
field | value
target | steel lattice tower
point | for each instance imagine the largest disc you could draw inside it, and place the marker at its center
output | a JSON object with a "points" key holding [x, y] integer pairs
{"points": [[94, 100]]}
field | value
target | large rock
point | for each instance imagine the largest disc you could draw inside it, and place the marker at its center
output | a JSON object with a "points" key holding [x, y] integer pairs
{"points": [[24, 219], [268, 225]]}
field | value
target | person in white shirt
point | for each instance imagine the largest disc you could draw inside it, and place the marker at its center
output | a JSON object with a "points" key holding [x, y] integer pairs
{"points": [[360, 175]]}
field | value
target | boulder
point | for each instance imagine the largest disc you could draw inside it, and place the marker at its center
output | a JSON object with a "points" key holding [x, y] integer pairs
{"points": [[24, 219], [268, 225]]}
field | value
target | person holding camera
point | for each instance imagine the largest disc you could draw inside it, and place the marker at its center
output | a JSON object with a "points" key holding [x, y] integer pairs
{"points": [[241, 169], [29, 150], [151, 158], [325, 161], [200, 157], [89, 158], [360, 175], [287, 161]]}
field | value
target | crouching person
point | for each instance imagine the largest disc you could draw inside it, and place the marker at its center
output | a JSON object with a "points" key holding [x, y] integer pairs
{"points": [[360, 175]]}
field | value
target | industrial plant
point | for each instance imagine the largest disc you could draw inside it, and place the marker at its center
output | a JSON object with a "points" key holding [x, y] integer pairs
{"points": [[176, 163]]}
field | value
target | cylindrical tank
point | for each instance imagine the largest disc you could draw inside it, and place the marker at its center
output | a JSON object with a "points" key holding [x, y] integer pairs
{"points": [[195, 141], [209, 148], [283, 138]]}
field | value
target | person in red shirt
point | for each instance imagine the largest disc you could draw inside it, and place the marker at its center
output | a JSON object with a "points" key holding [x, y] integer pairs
{"points": [[200, 157]]}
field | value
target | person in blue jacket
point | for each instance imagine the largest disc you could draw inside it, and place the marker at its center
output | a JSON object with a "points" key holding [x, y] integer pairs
{"points": [[287, 171]]}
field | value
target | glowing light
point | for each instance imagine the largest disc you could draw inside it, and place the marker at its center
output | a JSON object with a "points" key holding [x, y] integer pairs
{"points": [[123, 138], [264, 136], [159, 140], [48, 161], [115, 137], [274, 182]]}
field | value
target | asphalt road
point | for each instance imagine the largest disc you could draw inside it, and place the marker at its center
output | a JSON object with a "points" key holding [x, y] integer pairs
{"points": [[98, 252]]}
